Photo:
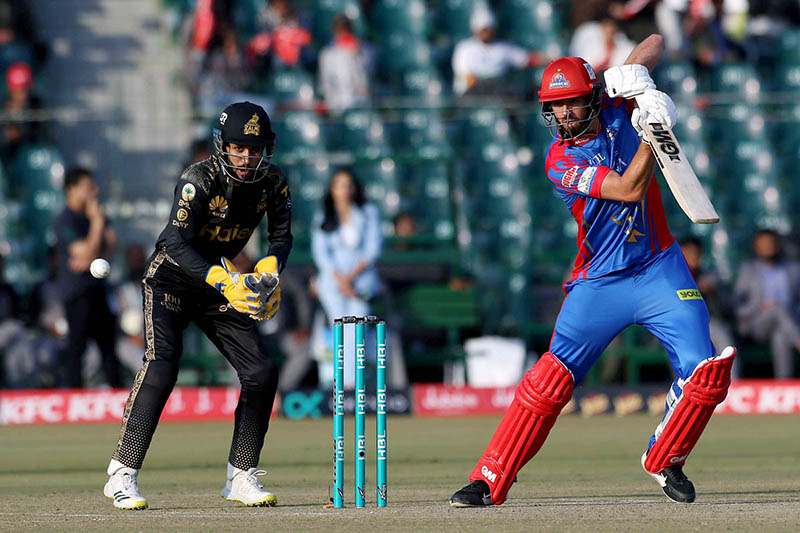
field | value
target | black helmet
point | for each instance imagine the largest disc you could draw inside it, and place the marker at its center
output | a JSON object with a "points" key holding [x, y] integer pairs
{"points": [[245, 124]]}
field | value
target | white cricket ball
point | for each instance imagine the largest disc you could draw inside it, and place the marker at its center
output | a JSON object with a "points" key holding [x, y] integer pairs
{"points": [[100, 268]]}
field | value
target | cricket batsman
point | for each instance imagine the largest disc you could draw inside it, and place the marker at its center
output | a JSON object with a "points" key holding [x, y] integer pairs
{"points": [[218, 204], [628, 270]]}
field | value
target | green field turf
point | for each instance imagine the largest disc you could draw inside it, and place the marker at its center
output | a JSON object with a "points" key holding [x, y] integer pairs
{"points": [[587, 477]]}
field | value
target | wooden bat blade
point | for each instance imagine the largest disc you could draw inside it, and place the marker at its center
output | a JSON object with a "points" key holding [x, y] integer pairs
{"points": [[680, 175]]}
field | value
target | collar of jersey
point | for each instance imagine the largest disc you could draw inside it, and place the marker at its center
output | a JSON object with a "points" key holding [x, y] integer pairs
{"points": [[585, 138]]}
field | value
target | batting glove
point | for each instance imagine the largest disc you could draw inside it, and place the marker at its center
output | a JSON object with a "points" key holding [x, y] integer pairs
{"points": [[628, 81], [268, 287], [654, 106], [238, 289]]}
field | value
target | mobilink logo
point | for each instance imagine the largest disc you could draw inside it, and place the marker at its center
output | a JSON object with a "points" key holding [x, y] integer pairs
{"points": [[488, 474]]}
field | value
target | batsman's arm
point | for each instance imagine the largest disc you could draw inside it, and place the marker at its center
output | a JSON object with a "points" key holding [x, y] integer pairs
{"points": [[632, 185], [648, 52]]}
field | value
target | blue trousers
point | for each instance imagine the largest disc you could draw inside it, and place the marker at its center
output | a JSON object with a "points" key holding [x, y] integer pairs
{"points": [[659, 295]]}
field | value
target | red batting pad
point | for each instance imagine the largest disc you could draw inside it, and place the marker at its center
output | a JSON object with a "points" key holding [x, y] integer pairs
{"points": [[545, 389], [705, 389]]}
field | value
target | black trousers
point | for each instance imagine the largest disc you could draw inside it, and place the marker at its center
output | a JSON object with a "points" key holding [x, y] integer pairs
{"points": [[170, 304], [89, 317]]}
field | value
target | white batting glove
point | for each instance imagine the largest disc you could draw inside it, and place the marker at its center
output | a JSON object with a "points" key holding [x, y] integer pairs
{"points": [[654, 106], [627, 81]]}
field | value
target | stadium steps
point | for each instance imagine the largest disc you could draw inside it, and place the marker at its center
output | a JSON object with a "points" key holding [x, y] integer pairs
{"points": [[121, 108]]}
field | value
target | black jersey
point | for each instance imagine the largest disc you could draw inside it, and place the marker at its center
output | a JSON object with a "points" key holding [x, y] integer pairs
{"points": [[205, 225]]}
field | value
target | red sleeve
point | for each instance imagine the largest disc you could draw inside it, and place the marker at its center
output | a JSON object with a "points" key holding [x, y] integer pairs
{"points": [[569, 171]]}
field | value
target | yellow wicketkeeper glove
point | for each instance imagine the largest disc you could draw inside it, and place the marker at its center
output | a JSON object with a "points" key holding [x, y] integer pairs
{"points": [[239, 289], [268, 287]]}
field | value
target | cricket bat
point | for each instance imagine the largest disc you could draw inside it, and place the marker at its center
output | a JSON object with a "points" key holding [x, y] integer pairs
{"points": [[680, 176]]}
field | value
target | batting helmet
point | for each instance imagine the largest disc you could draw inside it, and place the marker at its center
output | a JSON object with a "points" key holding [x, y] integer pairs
{"points": [[569, 77]]}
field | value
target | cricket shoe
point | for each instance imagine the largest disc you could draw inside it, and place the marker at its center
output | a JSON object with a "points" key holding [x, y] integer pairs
{"points": [[476, 494], [243, 486], [674, 483], [122, 487]]}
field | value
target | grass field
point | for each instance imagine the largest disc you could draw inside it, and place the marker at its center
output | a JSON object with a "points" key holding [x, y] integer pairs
{"points": [[587, 477]]}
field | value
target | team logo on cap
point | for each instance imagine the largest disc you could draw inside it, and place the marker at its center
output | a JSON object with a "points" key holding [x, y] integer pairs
{"points": [[252, 127], [559, 81]]}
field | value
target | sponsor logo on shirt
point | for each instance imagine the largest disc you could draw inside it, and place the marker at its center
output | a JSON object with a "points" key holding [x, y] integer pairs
{"points": [[218, 206], [585, 182], [188, 192], [689, 294], [182, 214], [220, 234], [569, 176]]}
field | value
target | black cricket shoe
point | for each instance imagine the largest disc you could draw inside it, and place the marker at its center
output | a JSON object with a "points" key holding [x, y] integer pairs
{"points": [[674, 483], [476, 494]]}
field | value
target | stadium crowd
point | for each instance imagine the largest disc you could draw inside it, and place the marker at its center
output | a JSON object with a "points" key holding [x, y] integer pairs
{"points": [[430, 106]]}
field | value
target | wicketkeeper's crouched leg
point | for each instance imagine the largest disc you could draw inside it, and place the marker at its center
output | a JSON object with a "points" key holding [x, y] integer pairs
{"points": [[151, 389], [690, 404], [252, 416], [544, 391]]}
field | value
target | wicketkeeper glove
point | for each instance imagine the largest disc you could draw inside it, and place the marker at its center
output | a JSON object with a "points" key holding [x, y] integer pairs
{"points": [[238, 289], [627, 81], [654, 106], [268, 286]]}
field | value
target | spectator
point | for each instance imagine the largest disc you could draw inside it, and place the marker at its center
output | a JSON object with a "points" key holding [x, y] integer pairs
{"points": [[480, 58], [768, 300], [404, 225], [82, 234], [20, 103], [713, 291], [213, 63], [285, 40], [344, 67], [345, 244], [602, 44]]}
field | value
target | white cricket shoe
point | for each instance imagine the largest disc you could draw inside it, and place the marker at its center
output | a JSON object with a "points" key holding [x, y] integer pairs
{"points": [[123, 488], [243, 486]]}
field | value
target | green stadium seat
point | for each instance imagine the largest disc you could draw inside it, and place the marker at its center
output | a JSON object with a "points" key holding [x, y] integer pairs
{"points": [[427, 197], [298, 135], [360, 132], [729, 124], [381, 187], [424, 84], [420, 134], [408, 17], [308, 183], [485, 126], [677, 79], [323, 13], [400, 52], [525, 22], [288, 87], [452, 18], [789, 46], [37, 177], [739, 79]]}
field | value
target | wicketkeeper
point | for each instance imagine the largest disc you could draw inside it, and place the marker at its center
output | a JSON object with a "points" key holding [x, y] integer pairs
{"points": [[218, 204], [629, 270]]}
